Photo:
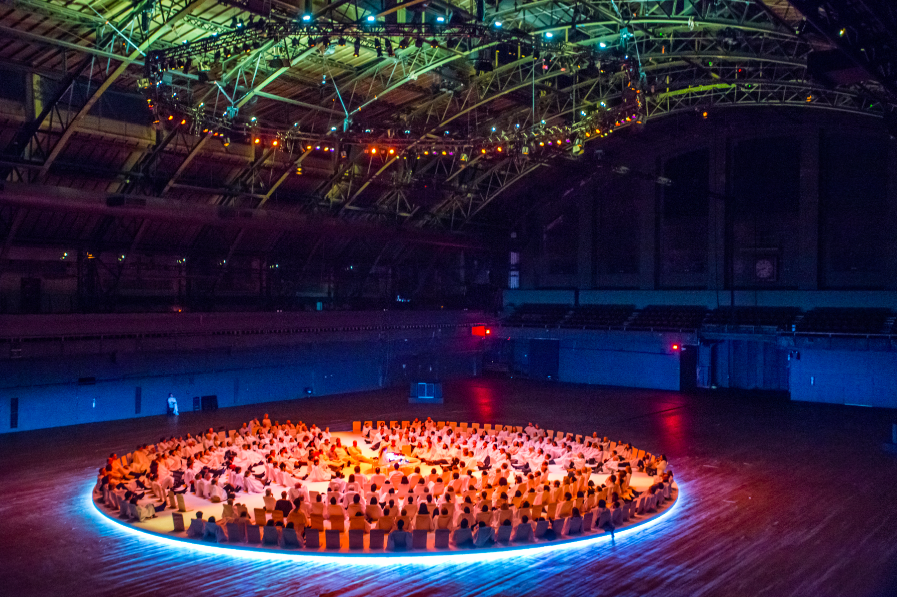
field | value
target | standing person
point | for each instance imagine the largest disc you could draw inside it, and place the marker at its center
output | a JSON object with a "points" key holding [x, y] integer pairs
{"points": [[172, 405]]}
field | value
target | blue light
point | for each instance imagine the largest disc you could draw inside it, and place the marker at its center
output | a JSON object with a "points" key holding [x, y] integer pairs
{"points": [[549, 34], [306, 17], [498, 24], [602, 45], [371, 18], [440, 19], [265, 554]]}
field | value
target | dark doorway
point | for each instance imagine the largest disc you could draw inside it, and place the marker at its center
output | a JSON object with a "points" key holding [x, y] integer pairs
{"points": [[688, 368], [543, 359], [30, 293]]}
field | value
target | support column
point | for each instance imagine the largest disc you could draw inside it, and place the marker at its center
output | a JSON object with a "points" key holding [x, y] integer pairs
{"points": [[890, 224], [808, 216], [647, 210], [716, 218]]}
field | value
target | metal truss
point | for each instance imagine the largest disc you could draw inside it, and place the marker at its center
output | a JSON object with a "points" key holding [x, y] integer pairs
{"points": [[126, 35]]}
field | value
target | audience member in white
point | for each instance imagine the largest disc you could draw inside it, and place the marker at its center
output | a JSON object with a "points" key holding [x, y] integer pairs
{"points": [[197, 527], [476, 490], [484, 535], [172, 405], [399, 539]]}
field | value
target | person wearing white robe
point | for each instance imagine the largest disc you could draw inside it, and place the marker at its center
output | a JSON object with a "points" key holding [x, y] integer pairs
{"points": [[399, 539], [251, 484], [484, 535], [317, 473], [172, 405]]}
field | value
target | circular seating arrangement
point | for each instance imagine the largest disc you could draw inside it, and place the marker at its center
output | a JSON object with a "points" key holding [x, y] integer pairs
{"points": [[410, 487]]}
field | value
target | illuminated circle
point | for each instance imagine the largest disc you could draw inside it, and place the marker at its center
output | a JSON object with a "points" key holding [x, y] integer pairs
{"points": [[160, 530]]}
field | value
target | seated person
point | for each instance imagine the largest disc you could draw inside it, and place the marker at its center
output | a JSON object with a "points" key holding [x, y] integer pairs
{"points": [[213, 532], [573, 525], [523, 532], [399, 539], [462, 537], [484, 535], [197, 527], [283, 504]]}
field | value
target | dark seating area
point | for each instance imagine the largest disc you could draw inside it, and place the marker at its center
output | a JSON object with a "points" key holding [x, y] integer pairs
{"points": [[780, 318], [669, 317], [846, 321], [537, 315], [599, 316]]}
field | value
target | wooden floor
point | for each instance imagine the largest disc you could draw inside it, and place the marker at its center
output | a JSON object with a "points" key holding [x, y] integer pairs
{"points": [[778, 499]]}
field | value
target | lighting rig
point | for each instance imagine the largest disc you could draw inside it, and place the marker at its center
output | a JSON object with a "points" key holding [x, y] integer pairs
{"points": [[174, 107]]}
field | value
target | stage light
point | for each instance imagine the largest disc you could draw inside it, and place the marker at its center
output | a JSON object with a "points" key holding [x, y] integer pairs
{"points": [[418, 43], [499, 149], [440, 19], [602, 45], [306, 18], [373, 150], [325, 41], [257, 141], [483, 150], [497, 24], [312, 42], [379, 48], [488, 331], [274, 143], [675, 347], [184, 121], [371, 18], [357, 46], [170, 117], [392, 151], [389, 50], [434, 43], [341, 41], [226, 141], [549, 34]]}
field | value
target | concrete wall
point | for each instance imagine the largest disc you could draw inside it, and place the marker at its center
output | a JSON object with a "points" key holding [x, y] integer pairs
{"points": [[845, 377], [710, 298], [94, 384], [614, 358]]}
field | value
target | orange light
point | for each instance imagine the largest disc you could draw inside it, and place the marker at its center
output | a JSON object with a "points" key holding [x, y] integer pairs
{"points": [[184, 121], [171, 118], [392, 151], [373, 150], [675, 347], [499, 149], [257, 140], [483, 150], [488, 331], [274, 142]]}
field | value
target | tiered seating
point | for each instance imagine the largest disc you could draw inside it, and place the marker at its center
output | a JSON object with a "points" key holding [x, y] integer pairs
{"points": [[780, 318], [845, 321], [599, 316], [669, 317], [537, 315]]}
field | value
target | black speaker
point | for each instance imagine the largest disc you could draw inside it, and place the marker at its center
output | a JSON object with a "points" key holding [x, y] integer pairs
{"points": [[197, 404], [210, 402]]}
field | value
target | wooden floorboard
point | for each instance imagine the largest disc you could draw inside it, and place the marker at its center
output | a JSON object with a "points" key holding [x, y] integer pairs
{"points": [[778, 499]]}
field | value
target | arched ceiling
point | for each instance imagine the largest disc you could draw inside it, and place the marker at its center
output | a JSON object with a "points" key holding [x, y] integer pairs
{"points": [[445, 110]]}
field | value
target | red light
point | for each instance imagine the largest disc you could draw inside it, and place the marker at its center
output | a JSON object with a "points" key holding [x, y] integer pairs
{"points": [[478, 330], [675, 347]]}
